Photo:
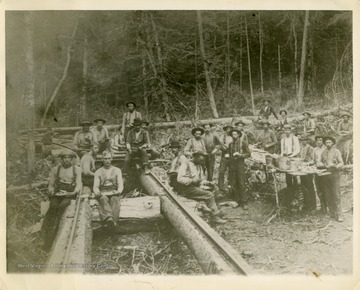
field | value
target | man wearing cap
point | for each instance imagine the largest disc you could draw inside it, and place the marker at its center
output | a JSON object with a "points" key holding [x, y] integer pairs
{"points": [[345, 127], [212, 145], [307, 154], [108, 184], [64, 184], [309, 124], [101, 135], [267, 139], [87, 165], [191, 179], [137, 142], [195, 143], [283, 119], [240, 125], [179, 158], [266, 110], [290, 147], [319, 180], [84, 139], [237, 152], [129, 117], [331, 160], [224, 162]]}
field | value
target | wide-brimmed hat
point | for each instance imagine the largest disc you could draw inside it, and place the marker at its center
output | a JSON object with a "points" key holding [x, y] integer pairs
{"points": [[99, 119], [303, 137], [199, 152], [345, 114], [287, 126], [131, 102], [227, 127], [306, 112], [210, 124], [265, 122], [175, 144], [329, 138], [197, 129], [283, 111], [236, 130], [85, 123], [318, 137], [145, 122], [266, 100], [239, 122], [65, 152], [137, 122]]}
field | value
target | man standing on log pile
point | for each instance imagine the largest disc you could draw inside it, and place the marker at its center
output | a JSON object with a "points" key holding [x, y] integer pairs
{"points": [[87, 165], [212, 145], [267, 138], [108, 184], [191, 179], [309, 126], [307, 154], [195, 143], [290, 147], [240, 125], [345, 127], [320, 180], [101, 135], [64, 185], [224, 163], [237, 152], [331, 160], [175, 164], [137, 142], [84, 139], [129, 118], [266, 110]]}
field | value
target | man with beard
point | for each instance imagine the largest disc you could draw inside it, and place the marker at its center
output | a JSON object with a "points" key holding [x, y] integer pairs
{"points": [[108, 184], [237, 152], [137, 142], [64, 185], [84, 139], [191, 179], [240, 125], [179, 158], [224, 163], [266, 110], [331, 160], [267, 139], [195, 143], [101, 135], [129, 118]]}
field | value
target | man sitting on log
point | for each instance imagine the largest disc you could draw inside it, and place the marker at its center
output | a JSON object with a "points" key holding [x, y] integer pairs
{"points": [[153, 152], [290, 147], [266, 110], [129, 118], [84, 139], [224, 162], [267, 139], [108, 184], [331, 160], [118, 140], [345, 127], [101, 135], [87, 165], [309, 125], [191, 179], [283, 120], [175, 164], [237, 152], [64, 185], [137, 142]]}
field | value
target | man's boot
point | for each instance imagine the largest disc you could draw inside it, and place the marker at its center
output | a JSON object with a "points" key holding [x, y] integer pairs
{"points": [[217, 220], [146, 169]]}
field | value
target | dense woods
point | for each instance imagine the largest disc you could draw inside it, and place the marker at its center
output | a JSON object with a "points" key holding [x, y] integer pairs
{"points": [[175, 64]]}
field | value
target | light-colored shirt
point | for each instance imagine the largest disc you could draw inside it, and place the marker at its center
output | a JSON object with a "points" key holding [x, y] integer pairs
{"points": [[290, 145], [188, 172], [318, 151], [347, 127], [193, 145], [307, 153], [112, 175], [309, 126], [128, 119], [267, 137], [84, 139], [118, 140], [100, 135], [176, 163], [87, 164], [332, 157], [66, 175]]}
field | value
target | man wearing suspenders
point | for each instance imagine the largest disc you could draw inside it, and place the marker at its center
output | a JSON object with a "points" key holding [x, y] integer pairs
{"points": [[129, 118], [224, 163], [64, 184]]}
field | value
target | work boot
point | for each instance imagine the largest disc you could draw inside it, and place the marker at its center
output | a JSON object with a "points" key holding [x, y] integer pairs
{"points": [[203, 207], [340, 219], [146, 169], [218, 220]]}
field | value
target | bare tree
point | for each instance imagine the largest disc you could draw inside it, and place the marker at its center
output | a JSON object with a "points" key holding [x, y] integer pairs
{"points": [[261, 44], [84, 88], [249, 65]]}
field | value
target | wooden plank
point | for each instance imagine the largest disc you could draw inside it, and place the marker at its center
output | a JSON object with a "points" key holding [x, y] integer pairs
{"points": [[140, 207]]}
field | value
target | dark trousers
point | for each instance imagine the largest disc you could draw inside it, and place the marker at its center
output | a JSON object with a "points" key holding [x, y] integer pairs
{"points": [[109, 207], [333, 193], [321, 191], [52, 219], [136, 153], [126, 131], [104, 145], [209, 165], [197, 193], [309, 196], [290, 180], [237, 180], [224, 165]]}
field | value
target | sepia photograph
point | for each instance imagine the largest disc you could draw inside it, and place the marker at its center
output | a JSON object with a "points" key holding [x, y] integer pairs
{"points": [[179, 142]]}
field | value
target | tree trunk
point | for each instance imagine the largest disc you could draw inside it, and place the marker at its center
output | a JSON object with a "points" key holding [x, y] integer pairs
{"points": [[146, 99], [295, 55], [300, 95], [30, 93], [196, 113], [84, 88], [228, 73], [240, 60], [65, 72], [249, 66], [279, 66], [261, 53], [206, 69]]}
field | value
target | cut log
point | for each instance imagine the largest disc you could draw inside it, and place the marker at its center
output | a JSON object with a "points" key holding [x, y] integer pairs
{"points": [[27, 186]]}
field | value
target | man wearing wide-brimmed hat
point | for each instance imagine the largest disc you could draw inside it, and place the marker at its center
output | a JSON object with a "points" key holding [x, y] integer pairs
{"points": [[224, 162], [345, 127], [195, 143], [101, 135], [137, 142], [237, 152], [129, 117], [179, 158], [331, 160], [84, 139], [267, 139], [64, 184], [266, 110], [309, 124], [240, 125], [191, 180], [283, 119]]}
